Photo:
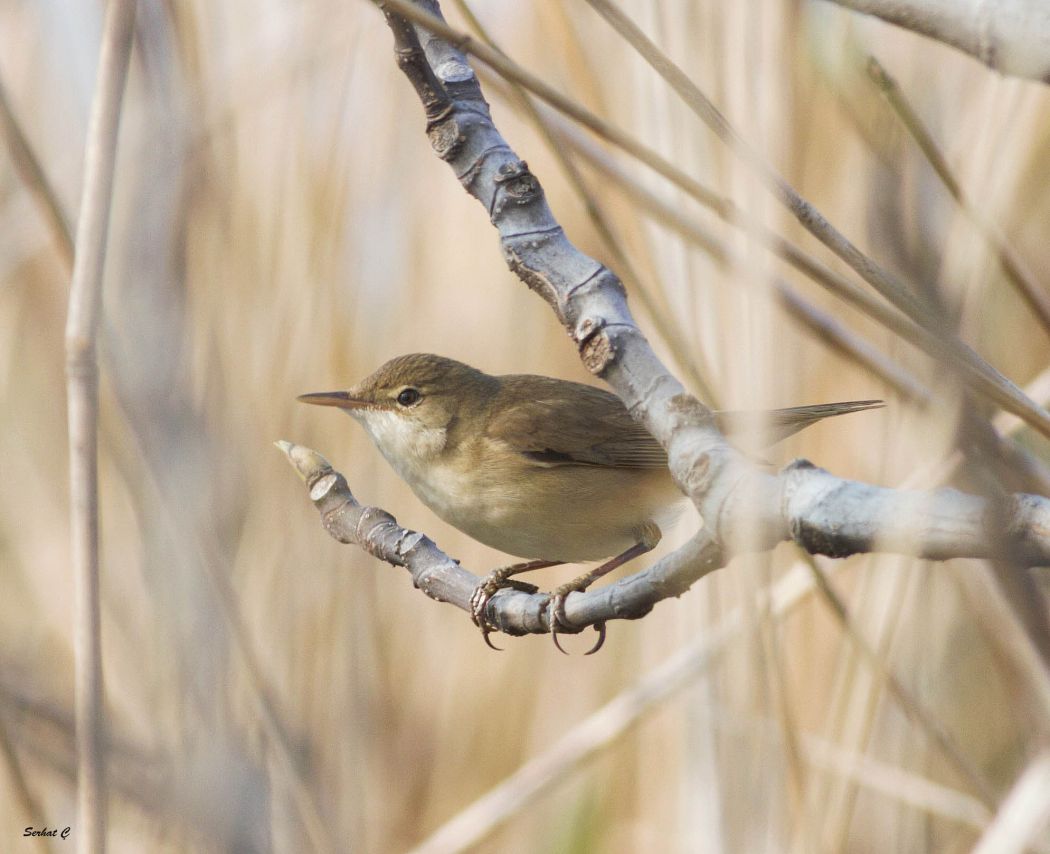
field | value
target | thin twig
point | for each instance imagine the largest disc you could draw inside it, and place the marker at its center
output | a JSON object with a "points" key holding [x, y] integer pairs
{"points": [[85, 299]]}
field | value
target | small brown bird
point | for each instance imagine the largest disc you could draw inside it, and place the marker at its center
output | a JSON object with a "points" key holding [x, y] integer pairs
{"points": [[539, 468]]}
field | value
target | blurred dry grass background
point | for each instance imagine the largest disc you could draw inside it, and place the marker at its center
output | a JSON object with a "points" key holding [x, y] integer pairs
{"points": [[281, 226]]}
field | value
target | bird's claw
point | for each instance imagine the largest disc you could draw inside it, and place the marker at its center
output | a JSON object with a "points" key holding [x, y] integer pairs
{"points": [[479, 600], [557, 620], [482, 595], [500, 578], [486, 630]]}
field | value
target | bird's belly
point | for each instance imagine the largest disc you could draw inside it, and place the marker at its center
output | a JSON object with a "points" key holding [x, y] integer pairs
{"points": [[570, 515]]}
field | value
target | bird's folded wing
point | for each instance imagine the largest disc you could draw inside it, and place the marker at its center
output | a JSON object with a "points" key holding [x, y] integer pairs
{"points": [[573, 424]]}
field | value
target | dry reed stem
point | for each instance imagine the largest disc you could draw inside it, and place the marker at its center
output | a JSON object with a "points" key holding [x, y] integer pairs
{"points": [[1012, 266], [33, 175], [916, 711], [1022, 820], [85, 302]]}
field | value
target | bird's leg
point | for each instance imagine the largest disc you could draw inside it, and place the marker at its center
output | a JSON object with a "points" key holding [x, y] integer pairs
{"points": [[650, 536], [497, 580]]}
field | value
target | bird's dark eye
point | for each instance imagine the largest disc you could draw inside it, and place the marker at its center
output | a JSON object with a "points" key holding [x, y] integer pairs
{"points": [[408, 396]]}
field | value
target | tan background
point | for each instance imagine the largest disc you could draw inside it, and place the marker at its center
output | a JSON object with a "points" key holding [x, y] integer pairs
{"points": [[281, 226]]}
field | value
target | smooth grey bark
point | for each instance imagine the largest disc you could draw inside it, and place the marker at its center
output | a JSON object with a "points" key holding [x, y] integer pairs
{"points": [[744, 507]]}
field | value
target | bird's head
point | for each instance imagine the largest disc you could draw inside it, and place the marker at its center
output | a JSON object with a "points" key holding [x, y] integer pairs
{"points": [[410, 404]]}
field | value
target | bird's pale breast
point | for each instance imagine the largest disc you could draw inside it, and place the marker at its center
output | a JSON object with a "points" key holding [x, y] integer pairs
{"points": [[566, 512]]}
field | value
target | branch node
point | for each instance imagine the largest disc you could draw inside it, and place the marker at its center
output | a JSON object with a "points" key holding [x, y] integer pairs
{"points": [[536, 280], [446, 137], [372, 523], [322, 486], [332, 520], [597, 349], [799, 464], [815, 540], [813, 527], [517, 183], [454, 71], [409, 542], [687, 411]]}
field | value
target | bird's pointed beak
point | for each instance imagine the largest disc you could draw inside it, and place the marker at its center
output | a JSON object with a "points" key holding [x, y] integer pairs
{"points": [[341, 399]]}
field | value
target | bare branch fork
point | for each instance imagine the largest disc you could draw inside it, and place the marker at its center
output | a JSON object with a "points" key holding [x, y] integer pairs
{"points": [[744, 507]]}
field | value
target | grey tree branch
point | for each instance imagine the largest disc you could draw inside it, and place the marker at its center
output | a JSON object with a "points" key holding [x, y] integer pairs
{"points": [[442, 578], [1011, 36], [85, 300], [744, 507], [516, 613], [937, 525], [906, 298], [663, 321], [953, 353]]}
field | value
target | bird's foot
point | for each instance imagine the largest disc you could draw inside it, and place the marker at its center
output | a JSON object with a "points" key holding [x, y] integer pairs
{"points": [[557, 615], [495, 581], [649, 537]]}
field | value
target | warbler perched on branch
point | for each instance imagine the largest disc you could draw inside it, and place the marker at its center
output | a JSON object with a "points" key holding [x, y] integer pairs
{"points": [[540, 468]]}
